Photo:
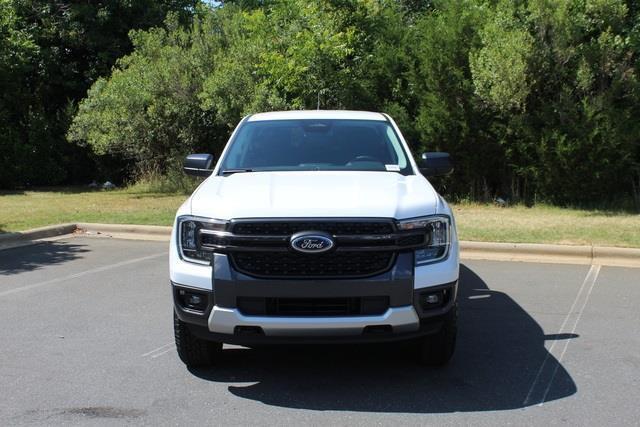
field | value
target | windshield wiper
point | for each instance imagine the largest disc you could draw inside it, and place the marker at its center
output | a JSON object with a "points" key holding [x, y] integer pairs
{"points": [[232, 171]]}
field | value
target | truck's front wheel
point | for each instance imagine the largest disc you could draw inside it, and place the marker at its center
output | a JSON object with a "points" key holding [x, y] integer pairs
{"points": [[193, 351], [437, 349]]}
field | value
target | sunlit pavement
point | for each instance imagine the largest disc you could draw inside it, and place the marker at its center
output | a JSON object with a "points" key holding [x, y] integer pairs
{"points": [[87, 338]]}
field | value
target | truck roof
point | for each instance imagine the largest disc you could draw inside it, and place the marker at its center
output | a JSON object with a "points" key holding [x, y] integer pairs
{"points": [[317, 114]]}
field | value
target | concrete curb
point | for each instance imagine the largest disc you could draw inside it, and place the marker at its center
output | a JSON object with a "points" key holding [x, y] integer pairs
{"points": [[22, 238], [564, 254], [526, 252], [112, 229]]}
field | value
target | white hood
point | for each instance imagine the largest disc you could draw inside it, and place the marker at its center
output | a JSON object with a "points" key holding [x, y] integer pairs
{"points": [[314, 194]]}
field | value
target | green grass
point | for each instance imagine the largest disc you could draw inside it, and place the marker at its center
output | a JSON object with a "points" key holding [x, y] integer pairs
{"points": [[138, 205], [30, 209], [546, 224]]}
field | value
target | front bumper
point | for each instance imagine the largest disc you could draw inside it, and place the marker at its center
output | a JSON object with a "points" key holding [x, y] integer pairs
{"points": [[405, 317], [229, 325], [231, 320]]}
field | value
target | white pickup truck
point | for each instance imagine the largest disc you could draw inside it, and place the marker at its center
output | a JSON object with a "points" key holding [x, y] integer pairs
{"points": [[315, 227]]}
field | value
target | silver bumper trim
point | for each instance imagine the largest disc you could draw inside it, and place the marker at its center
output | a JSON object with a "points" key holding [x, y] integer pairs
{"points": [[401, 319]]}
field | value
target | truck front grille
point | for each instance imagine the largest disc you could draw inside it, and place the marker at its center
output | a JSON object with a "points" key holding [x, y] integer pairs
{"points": [[289, 227], [348, 264], [262, 248]]}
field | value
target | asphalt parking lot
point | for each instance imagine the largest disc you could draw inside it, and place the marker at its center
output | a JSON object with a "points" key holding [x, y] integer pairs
{"points": [[86, 339]]}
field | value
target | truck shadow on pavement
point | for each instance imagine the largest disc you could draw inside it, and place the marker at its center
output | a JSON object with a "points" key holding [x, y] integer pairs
{"points": [[500, 363], [34, 257]]}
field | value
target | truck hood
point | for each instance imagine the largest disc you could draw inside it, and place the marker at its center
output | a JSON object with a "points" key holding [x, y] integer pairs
{"points": [[314, 194]]}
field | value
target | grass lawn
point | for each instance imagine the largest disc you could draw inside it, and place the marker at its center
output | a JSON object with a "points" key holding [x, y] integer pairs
{"points": [[546, 224], [30, 209], [541, 224]]}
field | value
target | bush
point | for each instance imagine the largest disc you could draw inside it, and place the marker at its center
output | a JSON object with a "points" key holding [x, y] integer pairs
{"points": [[171, 182]]}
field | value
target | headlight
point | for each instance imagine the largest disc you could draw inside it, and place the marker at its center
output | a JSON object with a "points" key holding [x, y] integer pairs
{"points": [[438, 237], [189, 235]]}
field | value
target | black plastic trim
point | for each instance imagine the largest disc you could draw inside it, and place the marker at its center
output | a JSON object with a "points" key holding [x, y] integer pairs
{"points": [[191, 316], [422, 313], [343, 243], [272, 242]]}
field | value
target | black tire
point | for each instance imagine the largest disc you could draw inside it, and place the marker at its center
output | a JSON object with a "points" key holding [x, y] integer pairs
{"points": [[437, 349], [193, 351]]}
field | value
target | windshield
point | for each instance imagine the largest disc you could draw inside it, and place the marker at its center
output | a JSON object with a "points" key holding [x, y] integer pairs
{"points": [[293, 145]]}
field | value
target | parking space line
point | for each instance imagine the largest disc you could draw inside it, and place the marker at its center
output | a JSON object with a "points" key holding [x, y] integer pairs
{"points": [[162, 353], [163, 347], [81, 274], [588, 283], [592, 282]]}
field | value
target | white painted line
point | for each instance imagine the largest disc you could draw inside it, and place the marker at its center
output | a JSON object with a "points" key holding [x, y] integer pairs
{"points": [[157, 349], [588, 281], [592, 282], [81, 274], [162, 353]]}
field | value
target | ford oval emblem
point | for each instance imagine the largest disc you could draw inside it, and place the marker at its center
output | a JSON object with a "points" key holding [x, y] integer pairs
{"points": [[311, 242]]}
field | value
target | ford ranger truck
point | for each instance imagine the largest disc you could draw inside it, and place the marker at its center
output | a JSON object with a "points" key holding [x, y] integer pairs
{"points": [[315, 227]]}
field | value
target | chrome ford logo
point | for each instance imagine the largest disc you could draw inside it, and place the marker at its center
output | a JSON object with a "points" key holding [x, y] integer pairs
{"points": [[311, 242]]}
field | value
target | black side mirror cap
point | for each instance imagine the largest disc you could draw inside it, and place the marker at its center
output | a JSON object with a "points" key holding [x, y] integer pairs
{"points": [[435, 164], [198, 164]]}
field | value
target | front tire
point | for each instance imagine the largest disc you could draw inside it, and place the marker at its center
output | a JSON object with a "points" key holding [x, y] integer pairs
{"points": [[437, 349], [193, 351]]}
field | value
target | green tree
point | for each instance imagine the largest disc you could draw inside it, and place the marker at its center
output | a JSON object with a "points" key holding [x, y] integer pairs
{"points": [[448, 114], [289, 55], [75, 42], [17, 51], [575, 143], [535, 100], [149, 110]]}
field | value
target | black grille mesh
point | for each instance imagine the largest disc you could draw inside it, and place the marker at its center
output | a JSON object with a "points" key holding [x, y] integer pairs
{"points": [[415, 239], [285, 228], [292, 265]]}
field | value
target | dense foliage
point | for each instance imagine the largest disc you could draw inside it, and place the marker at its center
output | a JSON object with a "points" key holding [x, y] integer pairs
{"points": [[51, 51], [536, 100]]}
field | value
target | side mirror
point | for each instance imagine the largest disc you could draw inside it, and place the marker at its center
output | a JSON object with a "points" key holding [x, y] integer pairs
{"points": [[435, 164], [198, 164]]}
